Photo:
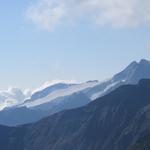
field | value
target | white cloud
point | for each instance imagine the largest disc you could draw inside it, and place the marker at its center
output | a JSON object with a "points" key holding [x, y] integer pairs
{"points": [[119, 13], [12, 97], [46, 13], [27, 93]]}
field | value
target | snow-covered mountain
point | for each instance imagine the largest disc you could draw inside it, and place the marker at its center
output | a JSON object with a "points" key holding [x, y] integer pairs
{"points": [[61, 96], [53, 95], [47, 90], [93, 89], [16, 97], [132, 74], [63, 103]]}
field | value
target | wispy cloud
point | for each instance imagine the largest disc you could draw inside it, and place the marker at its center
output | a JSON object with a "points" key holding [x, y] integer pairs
{"points": [[46, 13], [119, 13]]}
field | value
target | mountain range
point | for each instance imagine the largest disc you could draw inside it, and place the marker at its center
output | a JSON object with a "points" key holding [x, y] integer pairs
{"points": [[116, 121], [64, 96]]}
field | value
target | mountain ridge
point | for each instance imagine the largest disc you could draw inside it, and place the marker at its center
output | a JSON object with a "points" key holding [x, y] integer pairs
{"points": [[106, 123]]}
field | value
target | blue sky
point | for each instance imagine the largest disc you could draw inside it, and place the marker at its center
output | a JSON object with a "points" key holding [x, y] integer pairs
{"points": [[68, 47]]}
